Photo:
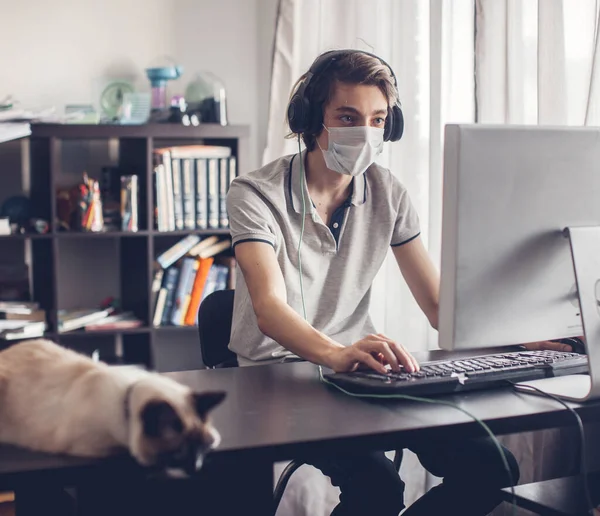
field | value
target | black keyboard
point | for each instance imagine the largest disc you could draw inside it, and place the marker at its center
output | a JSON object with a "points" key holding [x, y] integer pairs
{"points": [[449, 376]]}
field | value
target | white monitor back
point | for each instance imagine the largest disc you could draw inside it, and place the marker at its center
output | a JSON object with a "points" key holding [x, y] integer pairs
{"points": [[506, 269]]}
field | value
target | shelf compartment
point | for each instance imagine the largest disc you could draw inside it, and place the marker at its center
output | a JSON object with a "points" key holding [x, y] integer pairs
{"points": [[122, 331], [26, 236], [184, 232], [97, 131], [100, 234]]}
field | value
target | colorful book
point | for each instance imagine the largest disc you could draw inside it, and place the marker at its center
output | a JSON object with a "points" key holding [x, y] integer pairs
{"points": [[171, 280], [174, 253], [203, 244], [189, 267], [204, 265], [215, 249]]}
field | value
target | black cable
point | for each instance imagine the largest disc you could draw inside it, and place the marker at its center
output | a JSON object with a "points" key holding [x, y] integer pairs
{"points": [[583, 464]]}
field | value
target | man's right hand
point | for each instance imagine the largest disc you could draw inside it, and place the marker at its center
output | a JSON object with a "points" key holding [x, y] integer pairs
{"points": [[373, 351]]}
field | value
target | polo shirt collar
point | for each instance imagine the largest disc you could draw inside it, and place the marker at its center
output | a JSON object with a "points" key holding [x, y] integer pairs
{"points": [[358, 195]]}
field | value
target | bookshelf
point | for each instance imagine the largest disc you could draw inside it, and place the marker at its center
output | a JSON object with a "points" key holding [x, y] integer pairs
{"points": [[75, 269]]}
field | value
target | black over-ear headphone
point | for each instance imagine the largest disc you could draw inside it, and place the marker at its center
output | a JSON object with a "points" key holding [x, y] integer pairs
{"points": [[299, 108]]}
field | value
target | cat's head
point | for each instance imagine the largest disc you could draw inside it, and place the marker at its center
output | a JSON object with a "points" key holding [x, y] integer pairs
{"points": [[169, 425]]}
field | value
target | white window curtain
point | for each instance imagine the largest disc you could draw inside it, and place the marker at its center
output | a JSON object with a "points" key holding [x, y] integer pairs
{"points": [[490, 61], [537, 63], [430, 47]]}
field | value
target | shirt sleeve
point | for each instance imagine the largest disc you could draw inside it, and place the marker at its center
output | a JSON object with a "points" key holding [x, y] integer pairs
{"points": [[250, 218], [407, 226]]}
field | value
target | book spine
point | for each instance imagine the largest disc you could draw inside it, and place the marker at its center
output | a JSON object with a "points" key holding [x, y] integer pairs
{"points": [[160, 305], [223, 188], [233, 171], [185, 277], [34, 316], [177, 194], [211, 282], [201, 193], [204, 265], [188, 292], [162, 216], [129, 203], [156, 285], [171, 255], [171, 279], [189, 208], [213, 193], [221, 278], [169, 191]]}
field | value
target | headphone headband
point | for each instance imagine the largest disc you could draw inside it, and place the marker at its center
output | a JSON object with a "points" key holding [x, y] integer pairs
{"points": [[326, 59], [299, 108]]}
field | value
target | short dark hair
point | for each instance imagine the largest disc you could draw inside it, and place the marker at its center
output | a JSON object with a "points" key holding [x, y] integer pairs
{"points": [[351, 68]]}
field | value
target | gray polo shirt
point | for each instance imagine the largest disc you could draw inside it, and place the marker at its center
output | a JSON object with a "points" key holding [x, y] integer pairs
{"points": [[339, 261]]}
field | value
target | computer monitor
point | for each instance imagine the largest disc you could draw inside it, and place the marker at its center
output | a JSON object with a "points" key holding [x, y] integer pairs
{"points": [[511, 271]]}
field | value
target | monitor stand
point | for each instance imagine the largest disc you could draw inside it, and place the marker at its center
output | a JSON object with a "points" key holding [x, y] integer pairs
{"points": [[585, 252]]}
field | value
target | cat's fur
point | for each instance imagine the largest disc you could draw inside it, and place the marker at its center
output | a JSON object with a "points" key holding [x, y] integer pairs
{"points": [[56, 400]]}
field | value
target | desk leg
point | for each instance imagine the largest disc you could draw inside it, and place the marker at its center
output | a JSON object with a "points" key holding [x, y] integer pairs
{"points": [[221, 487], [33, 501], [257, 488]]}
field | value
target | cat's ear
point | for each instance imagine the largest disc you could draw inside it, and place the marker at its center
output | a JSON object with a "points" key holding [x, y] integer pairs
{"points": [[160, 419], [204, 402]]}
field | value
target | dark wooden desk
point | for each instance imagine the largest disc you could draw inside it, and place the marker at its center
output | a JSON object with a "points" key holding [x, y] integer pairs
{"points": [[279, 412], [557, 497]]}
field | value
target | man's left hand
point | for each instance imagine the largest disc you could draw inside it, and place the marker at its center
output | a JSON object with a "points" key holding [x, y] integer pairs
{"points": [[549, 344]]}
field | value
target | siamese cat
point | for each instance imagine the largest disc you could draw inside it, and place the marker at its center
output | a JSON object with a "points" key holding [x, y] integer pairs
{"points": [[58, 401]]}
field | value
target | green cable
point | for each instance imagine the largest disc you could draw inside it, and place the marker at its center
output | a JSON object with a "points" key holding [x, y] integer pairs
{"points": [[438, 402], [393, 396], [302, 227]]}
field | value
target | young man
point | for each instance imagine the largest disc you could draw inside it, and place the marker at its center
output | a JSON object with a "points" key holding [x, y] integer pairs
{"points": [[333, 212]]}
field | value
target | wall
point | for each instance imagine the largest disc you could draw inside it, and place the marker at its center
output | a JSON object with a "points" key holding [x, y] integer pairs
{"points": [[61, 51]]}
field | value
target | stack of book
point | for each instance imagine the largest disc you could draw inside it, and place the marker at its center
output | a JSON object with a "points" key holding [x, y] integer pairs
{"points": [[96, 319], [21, 320], [187, 273], [191, 184]]}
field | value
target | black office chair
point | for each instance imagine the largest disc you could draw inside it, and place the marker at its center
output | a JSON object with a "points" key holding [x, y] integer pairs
{"points": [[214, 329]]}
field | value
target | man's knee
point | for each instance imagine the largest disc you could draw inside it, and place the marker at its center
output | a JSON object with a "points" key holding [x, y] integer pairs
{"points": [[497, 468], [369, 483], [380, 484], [470, 462]]}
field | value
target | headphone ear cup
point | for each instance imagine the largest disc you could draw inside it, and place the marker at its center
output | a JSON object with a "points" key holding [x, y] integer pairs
{"points": [[299, 108], [396, 126], [296, 114], [389, 125]]}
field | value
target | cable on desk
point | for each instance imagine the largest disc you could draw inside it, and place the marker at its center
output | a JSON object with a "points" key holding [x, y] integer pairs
{"points": [[438, 402], [396, 396], [583, 465], [302, 228]]}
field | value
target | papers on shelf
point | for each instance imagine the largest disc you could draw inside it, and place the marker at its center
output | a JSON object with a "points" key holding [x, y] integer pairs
{"points": [[13, 131]]}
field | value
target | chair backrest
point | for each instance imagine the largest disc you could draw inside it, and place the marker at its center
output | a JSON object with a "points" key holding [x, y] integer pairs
{"points": [[214, 329]]}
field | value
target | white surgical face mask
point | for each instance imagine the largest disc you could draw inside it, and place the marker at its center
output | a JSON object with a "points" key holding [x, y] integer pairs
{"points": [[352, 150]]}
